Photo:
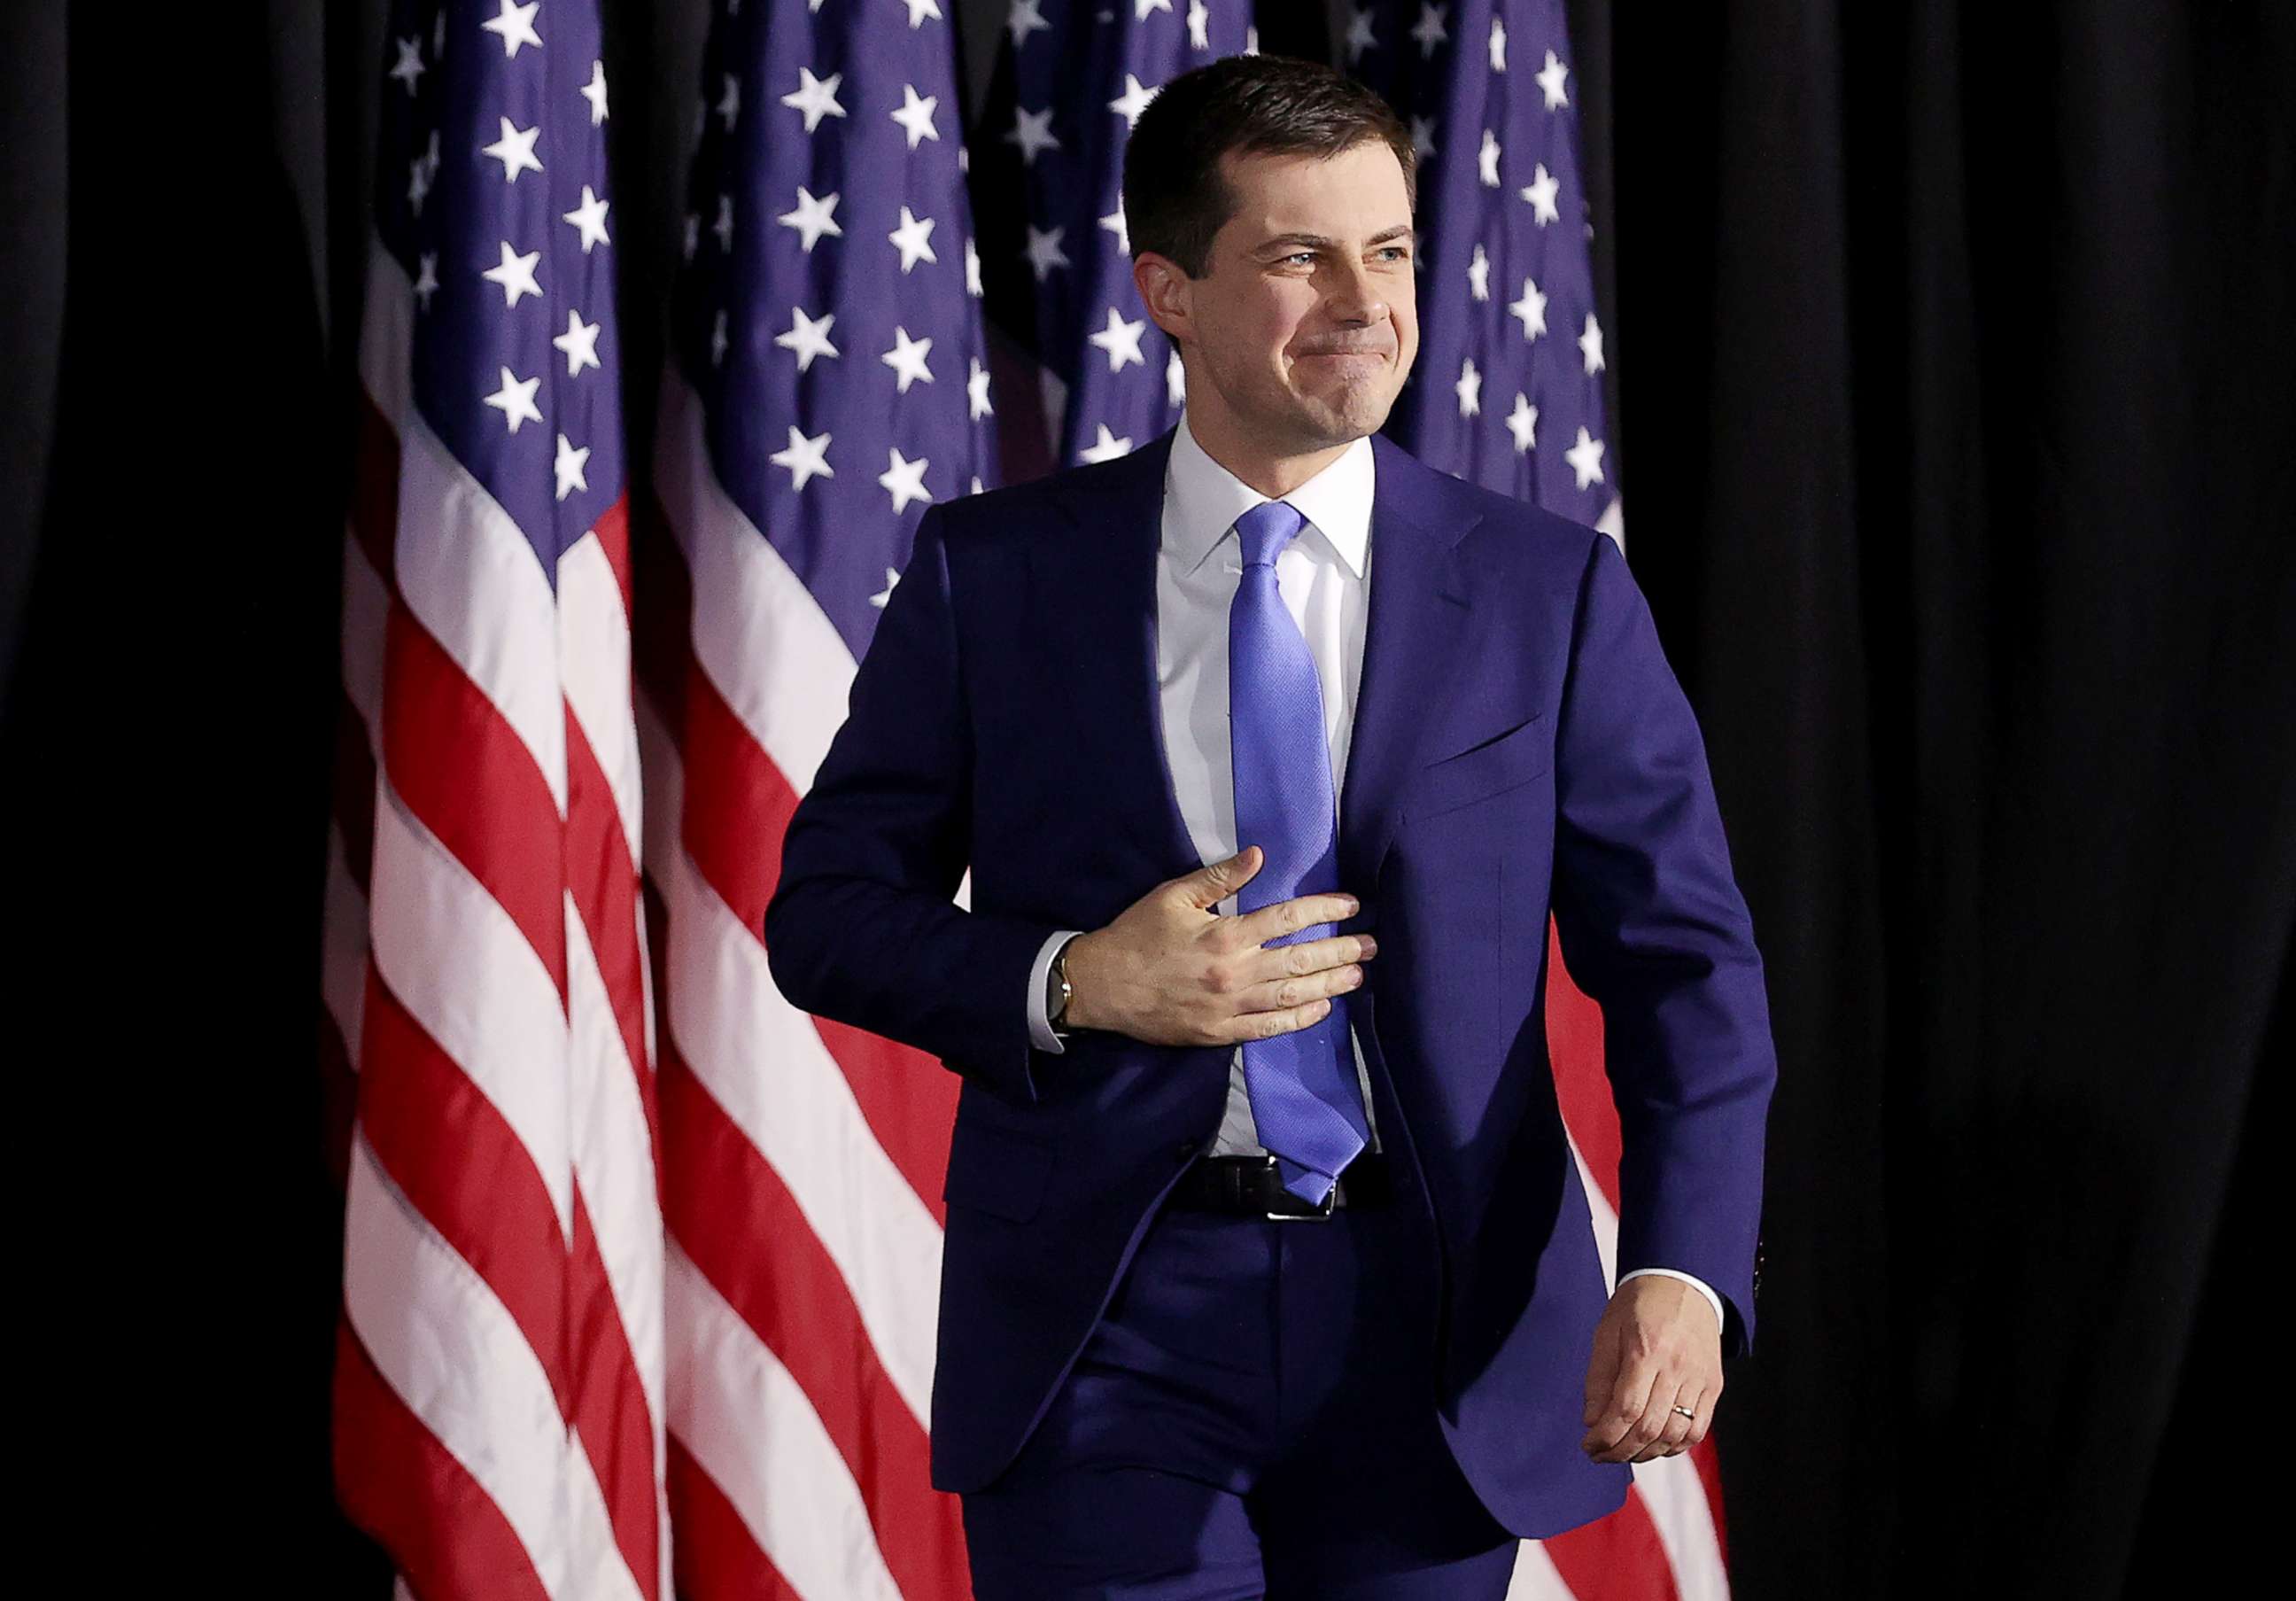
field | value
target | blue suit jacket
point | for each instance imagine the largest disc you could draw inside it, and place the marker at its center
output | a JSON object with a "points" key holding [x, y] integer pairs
{"points": [[1519, 742]]}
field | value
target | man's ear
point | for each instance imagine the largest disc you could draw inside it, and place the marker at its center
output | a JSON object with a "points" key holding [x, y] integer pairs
{"points": [[1164, 290]]}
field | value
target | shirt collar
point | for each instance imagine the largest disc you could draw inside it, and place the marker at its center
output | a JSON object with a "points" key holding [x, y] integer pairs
{"points": [[1210, 499]]}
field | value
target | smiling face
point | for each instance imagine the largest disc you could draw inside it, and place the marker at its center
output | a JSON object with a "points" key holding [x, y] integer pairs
{"points": [[1305, 323]]}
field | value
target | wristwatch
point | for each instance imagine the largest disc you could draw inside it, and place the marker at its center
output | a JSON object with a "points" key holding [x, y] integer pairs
{"points": [[1057, 991]]}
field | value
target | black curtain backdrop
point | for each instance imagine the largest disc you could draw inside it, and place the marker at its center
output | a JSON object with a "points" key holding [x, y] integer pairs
{"points": [[1955, 346], [1950, 350]]}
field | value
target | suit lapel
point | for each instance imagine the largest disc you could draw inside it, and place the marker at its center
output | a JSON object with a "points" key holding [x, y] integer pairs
{"points": [[1095, 586], [1420, 602]]}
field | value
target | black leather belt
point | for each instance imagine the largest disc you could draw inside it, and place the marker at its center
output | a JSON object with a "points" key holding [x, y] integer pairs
{"points": [[1253, 1186]]}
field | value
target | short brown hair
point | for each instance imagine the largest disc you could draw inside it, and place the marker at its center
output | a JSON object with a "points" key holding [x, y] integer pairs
{"points": [[1174, 203]]}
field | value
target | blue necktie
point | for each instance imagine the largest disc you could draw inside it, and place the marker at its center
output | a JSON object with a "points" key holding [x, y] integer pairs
{"points": [[1306, 1103]]}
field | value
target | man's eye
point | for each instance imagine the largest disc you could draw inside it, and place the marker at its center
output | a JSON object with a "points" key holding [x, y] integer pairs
{"points": [[1391, 249]]}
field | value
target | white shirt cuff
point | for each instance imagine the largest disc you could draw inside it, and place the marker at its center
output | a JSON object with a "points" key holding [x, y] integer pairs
{"points": [[1040, 1025], [1702, 1287]]}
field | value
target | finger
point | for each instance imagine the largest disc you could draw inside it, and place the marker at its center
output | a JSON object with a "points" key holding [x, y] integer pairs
{"points": [[1262, 964], [1623, 1414], [1602, 1372], [1215, 881], [1673, 1429], [1289, 917], [1645, 1434], [1703, 1404], [1266, 1025], [1282, 994], [1693, 1427]]}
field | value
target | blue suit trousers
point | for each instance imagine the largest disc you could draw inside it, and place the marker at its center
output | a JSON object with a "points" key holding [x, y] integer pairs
{"points": [[1253, 1414]]}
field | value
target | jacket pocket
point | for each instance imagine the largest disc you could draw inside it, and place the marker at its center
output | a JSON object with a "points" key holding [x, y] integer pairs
{"points": [[996, 1170], [1514, 757]]}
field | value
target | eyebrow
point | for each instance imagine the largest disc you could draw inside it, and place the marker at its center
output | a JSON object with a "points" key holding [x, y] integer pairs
{"points": [[1323, 242]]}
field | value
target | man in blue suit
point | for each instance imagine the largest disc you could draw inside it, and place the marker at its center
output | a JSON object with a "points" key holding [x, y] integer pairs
{"points": [[1268, 1268]]}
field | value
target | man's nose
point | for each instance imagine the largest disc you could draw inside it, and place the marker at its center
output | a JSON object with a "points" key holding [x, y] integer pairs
{"points": [[1355, 297]]}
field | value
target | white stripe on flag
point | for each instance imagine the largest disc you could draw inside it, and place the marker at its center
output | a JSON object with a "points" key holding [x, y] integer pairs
{"points": [[1676, 1499], [470, 577], [758, 633], [593, 660], [764, 1062], [1535, 1577], [439, 939], [613, 1160], [736, 1409], [1604, 1220], [452, 1353]]}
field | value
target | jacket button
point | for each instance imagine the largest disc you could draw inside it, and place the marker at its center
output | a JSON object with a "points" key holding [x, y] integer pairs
{"points": [[1187, 1150]]}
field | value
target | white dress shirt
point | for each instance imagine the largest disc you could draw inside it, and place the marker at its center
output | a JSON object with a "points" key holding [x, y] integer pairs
{"points": [[1324, 574]]}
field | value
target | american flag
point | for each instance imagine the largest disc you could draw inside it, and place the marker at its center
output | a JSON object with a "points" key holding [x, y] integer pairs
{"points": [[499, 1385], [1071, 81], [1507, 392], [828, 387]]}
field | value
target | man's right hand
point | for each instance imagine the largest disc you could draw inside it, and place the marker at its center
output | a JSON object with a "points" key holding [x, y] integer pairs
{"points": [[1171, 971]]}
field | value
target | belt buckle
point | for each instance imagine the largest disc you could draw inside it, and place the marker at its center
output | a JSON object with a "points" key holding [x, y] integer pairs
{"points": [[1323, 1214]]}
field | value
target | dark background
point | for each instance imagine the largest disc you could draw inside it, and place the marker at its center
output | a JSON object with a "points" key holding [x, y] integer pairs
{"points": [[1951, 350]]}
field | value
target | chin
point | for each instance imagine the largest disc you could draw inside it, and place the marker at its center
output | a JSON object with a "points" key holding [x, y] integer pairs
{"points": [[1312, 425], [1367, 416]]}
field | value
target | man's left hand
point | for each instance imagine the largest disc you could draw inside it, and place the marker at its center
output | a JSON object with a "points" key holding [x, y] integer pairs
{"points": [[1656, 1348]]}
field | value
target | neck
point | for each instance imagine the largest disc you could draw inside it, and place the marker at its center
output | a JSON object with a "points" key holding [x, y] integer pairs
{"points": [[1274, 470]]}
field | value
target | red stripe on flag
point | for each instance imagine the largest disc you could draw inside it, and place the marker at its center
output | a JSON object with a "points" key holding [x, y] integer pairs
{"points": [[602, 880], [1616, 1558], [1582, 1087], [465, 1169], [469, 776], [714, 1558], [608, 1409], [612, 532], [737, 803], [735, 1220], [737, 810], [909, 1100], [402, 1486]]}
